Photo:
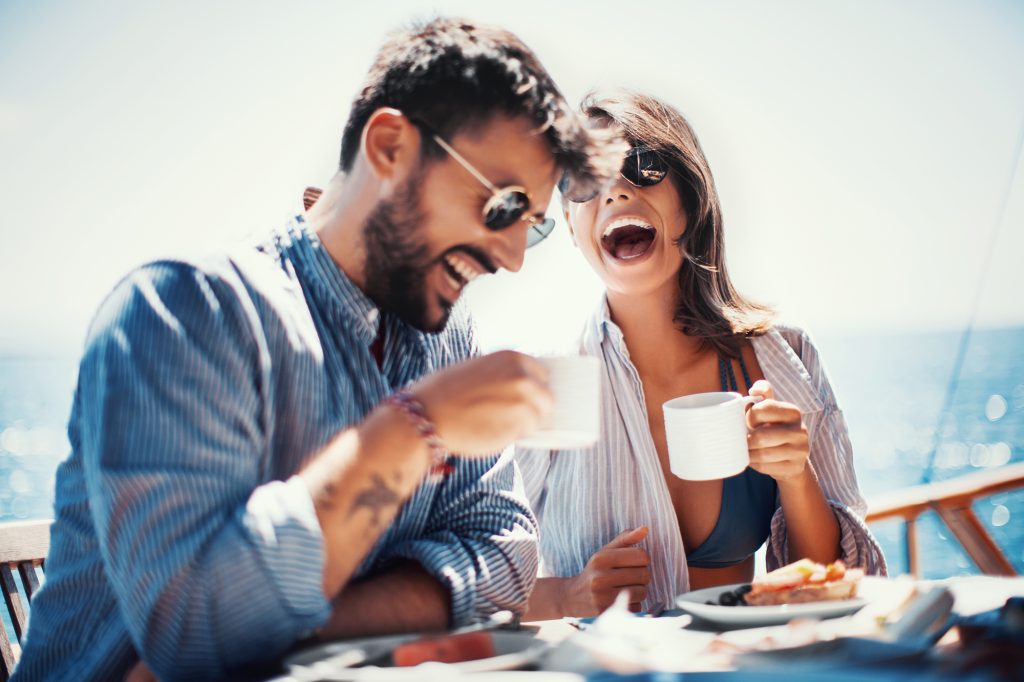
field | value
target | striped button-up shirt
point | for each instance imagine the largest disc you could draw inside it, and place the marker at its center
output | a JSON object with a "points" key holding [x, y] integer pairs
{"points": [[182, 532], [585, 498]]}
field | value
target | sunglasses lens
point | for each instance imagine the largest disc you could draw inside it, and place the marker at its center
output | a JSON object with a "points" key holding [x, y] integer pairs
{"points": [[539, 232], [644, 167], [504, 209], [507, 208]]}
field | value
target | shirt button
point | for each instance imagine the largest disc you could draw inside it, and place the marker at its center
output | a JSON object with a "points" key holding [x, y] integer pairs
{"points": [[372, 316]]}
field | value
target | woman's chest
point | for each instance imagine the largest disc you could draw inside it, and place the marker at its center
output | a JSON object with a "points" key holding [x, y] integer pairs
{"points": [[696, 503]]}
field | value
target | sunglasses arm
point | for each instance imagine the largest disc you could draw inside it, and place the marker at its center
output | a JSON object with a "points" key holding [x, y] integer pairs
{"points": [[465, 164]]}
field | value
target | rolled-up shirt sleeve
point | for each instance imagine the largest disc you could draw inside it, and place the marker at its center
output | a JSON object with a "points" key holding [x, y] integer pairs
{"points": [[481, 540], [831, 456], [212, 565]]}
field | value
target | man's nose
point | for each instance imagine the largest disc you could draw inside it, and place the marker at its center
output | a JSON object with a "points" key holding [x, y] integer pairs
{"points": [[509, 246]]}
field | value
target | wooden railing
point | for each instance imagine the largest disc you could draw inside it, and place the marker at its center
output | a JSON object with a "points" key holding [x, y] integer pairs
{"points": [[23, 549], [952, 500]]}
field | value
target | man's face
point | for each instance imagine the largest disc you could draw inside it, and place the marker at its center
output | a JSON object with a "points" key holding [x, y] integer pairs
{"points": [[427, 241]]}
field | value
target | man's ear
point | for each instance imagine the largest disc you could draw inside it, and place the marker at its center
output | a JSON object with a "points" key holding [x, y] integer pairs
{"points": [[390, 144]]}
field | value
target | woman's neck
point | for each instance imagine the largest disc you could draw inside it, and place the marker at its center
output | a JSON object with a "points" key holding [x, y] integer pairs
{"points": [[655, 343]]}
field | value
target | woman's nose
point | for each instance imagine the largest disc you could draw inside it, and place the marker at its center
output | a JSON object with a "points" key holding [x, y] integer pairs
{"points": [[620, 190]]}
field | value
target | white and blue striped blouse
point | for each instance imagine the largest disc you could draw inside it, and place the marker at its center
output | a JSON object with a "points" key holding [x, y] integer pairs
{"points": [[181, 532], [584, 498]]}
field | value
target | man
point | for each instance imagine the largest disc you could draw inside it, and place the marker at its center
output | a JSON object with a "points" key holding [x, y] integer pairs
{"points": [[246, 467]]}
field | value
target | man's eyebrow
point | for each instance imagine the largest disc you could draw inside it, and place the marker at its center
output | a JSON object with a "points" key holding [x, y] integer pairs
{"points": [[507, 182]]}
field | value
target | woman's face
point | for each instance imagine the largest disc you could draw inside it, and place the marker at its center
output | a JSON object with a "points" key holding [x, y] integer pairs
{"points": [[628, 235]]}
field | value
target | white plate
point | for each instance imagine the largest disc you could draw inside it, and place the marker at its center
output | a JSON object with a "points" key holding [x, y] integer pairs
{"points": [[333, 660], [694, 604]]}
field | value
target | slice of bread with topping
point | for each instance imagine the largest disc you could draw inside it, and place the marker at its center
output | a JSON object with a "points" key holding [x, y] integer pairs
{"points": [[804, 581]]}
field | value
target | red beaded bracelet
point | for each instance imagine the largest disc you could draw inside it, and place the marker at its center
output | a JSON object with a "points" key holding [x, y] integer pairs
{"points": [[413, 409]]}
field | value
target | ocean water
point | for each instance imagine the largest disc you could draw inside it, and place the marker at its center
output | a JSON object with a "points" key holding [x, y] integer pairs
{"points": [[891, 388]]}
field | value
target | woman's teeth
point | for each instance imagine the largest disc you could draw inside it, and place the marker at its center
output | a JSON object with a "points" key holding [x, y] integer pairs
{"points": [[628, 238], [625, 222]]}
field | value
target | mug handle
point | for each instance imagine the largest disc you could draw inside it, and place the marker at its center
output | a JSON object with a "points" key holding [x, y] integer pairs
{"points": [[749, 400]]}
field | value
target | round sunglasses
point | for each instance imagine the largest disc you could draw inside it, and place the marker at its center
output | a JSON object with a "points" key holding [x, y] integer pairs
{"points": [[642, 167], [506, 206]]}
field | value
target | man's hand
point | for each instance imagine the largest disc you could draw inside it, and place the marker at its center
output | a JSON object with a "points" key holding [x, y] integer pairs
{"points": [[359, 480], [617, 566], [481, 405], [778, 442]]}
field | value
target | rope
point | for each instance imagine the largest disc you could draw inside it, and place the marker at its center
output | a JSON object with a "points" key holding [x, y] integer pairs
{"points": [[965, 338]]}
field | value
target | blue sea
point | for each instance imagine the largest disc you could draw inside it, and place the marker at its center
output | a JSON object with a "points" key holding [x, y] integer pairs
{"points": [[891, 388]]}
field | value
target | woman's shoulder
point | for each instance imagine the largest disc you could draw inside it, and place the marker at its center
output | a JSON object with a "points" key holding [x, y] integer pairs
{"points": [[808, 362], [783, 338], [794, 336]]}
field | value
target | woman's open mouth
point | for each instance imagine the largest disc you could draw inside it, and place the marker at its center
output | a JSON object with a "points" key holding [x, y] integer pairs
{"points": [[628, 239]]}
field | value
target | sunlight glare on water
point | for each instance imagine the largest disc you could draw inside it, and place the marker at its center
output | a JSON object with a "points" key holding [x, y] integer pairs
{"points": [[995, 408]]}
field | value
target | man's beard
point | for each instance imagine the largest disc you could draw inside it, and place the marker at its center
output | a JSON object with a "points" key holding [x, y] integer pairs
{"points": [[398, 260]]}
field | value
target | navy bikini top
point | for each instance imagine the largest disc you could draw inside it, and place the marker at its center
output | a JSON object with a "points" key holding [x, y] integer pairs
{"points": [[748, 504]]}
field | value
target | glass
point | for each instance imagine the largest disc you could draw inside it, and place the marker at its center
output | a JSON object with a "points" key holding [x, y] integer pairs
{"points": [[507, 205], [642, 167]]}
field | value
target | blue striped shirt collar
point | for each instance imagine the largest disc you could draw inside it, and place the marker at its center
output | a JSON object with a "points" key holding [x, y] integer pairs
{"points": [[333, 291]]}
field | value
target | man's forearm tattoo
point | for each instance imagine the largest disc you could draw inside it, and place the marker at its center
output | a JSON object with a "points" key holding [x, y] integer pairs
{"points": [[375, 498]]}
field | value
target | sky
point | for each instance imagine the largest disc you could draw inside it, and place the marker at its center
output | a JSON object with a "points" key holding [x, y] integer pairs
{"points": [[867, 154]]}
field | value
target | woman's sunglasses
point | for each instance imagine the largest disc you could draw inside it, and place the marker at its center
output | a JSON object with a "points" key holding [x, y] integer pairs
{"points": [[507, 205], [642, 167]]}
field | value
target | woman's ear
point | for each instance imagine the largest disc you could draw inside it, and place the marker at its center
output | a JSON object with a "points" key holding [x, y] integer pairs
{"points": [[568, 222], [390, 144]]}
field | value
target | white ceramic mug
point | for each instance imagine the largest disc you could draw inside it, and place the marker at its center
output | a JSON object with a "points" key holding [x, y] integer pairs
{"points": [[707, 435], [575, 420]]}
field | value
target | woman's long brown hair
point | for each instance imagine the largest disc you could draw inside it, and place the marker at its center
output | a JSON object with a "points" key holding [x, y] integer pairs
{"points": [[710, 307]]}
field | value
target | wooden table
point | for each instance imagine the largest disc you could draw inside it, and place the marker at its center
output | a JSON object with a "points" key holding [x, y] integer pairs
{"points": [[972, 595]]}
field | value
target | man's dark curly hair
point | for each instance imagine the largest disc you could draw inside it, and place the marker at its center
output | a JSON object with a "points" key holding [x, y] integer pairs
{"points": [[454, 75]]}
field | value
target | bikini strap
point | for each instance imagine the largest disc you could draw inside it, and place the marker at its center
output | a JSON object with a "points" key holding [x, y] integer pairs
{"points": [[746, 374], [728, 376]]}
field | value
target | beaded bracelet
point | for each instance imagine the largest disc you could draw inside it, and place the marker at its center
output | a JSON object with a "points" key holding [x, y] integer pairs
{"points": [[413, 409]]}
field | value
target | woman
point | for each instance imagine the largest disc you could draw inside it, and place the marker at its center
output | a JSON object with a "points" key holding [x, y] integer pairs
{"points": [[671, 323]]}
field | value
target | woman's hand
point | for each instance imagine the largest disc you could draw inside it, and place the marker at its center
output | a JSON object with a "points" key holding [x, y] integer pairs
{"points": [[617, 566], [777, 441]]}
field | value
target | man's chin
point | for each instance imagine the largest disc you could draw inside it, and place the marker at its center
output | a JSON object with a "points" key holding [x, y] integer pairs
{"points": [[438, 320], [429, 319]]}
